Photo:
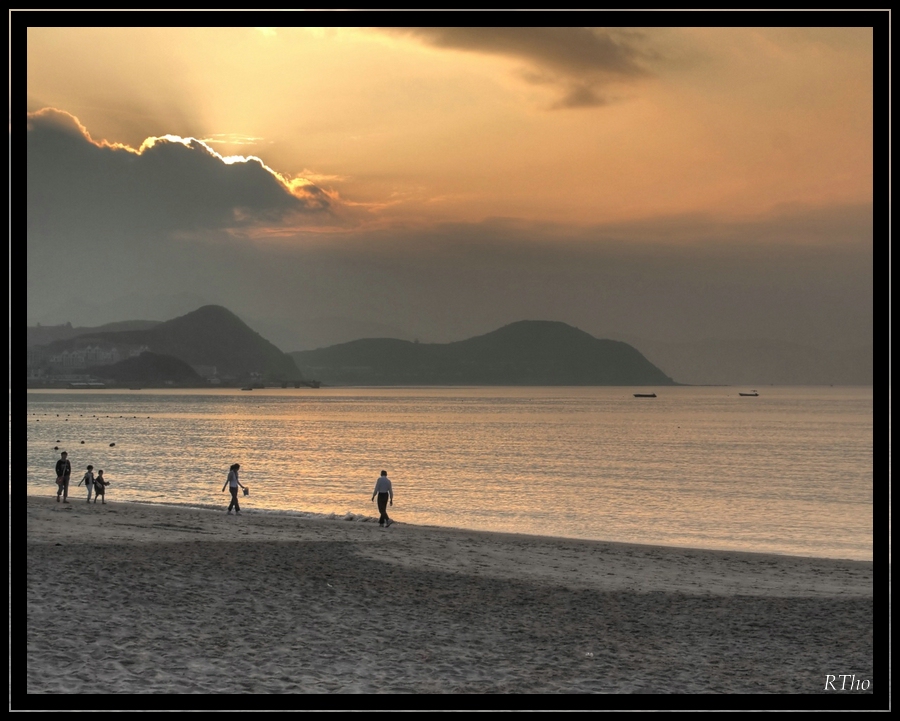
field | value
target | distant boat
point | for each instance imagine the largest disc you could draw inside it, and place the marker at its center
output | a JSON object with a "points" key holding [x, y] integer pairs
{"points": [[247, 388], [751, 393], [645, 395]]}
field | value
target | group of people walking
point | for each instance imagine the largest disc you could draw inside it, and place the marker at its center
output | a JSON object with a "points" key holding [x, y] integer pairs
{"points": [[95, 485]]}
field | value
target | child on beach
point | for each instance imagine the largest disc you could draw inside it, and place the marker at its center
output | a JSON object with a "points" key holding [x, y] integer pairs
{"points": [[100, 484], [88, 481]]}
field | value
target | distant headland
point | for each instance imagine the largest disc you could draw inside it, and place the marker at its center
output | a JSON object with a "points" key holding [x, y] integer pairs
{"points": [[209, 347], [524, 353], [212, 347]]}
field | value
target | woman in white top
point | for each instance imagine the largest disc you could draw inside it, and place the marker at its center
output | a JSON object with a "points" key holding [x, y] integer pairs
{"points": [[232, 482]]}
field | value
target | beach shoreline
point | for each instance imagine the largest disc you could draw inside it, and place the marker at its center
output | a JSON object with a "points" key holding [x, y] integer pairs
{"points": [[162, 599]]}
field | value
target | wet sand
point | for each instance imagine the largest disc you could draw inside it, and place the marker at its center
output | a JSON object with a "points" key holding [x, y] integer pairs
{"points": [[131, 598]]}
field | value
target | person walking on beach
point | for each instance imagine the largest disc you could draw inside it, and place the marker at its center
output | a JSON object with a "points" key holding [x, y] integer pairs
{"points": [[232, 482], [100, 484], [88, 481], [384, 491], [63, 471]]}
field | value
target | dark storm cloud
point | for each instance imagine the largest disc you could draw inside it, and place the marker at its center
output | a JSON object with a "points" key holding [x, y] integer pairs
{"points": [[579, 61], [169, 186]]}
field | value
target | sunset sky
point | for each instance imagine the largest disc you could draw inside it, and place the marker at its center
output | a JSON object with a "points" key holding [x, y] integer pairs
{"points": [[668, 183]]}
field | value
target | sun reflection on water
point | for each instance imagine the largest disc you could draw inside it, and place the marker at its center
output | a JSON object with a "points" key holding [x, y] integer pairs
{"points": [[791, 473]]}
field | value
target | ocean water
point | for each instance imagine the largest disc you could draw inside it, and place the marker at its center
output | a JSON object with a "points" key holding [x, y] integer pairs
{"points": [[790, 471]]}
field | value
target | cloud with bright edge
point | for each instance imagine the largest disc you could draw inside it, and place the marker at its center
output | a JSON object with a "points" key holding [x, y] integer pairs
{"points": [[169, 181]]}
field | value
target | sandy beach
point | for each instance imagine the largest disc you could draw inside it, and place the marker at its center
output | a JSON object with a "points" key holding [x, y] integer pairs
{"points": [[131, 598]]}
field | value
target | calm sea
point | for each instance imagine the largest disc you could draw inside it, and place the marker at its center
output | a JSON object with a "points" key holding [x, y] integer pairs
{"points": [[789, 471]]}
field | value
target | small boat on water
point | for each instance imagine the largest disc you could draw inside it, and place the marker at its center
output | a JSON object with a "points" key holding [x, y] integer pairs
{"points": [[751, 393], [247, 388], [645, 395]]}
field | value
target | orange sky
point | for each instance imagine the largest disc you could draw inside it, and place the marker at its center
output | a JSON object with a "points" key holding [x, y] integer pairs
{"points": [[411, 128]]}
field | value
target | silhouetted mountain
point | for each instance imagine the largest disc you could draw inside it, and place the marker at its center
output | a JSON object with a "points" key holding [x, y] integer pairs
{"points": [[210, 336], [150, 369], [523, 353]]}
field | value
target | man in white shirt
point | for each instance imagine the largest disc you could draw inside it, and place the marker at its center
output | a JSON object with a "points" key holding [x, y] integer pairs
{"points": [[384, 491]]}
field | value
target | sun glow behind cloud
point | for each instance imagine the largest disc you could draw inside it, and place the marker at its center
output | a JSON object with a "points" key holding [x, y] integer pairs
{"points": [[170, 184], [425, 125], [298, 186], [231, 139]]}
